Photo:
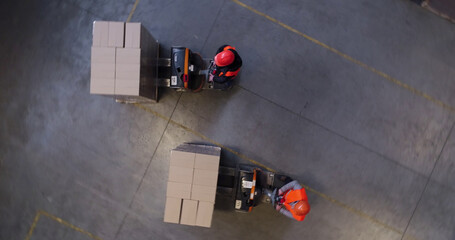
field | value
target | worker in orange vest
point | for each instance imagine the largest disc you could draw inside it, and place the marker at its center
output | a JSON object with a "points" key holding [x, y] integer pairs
{"points": [[294, 200], [227, 64]]}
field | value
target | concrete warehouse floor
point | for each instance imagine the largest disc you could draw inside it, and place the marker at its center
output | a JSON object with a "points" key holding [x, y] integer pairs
{"points": [[354, 99]]}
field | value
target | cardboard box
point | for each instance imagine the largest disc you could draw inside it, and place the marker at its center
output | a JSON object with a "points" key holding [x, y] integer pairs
{"points": [[102, 86], [116, 34], [122, 85], [145, 47], [133, 35], [179, 174], [102, 71], [100, 34], [129, 87], [207, 162], [103, 55], [126, 83], [204, 214], [182, 159], [128, 56], [198, 179], [172, 210], [203, 193], [127, 72], [189, 209], [205, 177], [178, 190], [126, 91]]}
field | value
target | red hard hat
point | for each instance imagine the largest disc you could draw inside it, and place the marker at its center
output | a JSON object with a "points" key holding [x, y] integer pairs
{"points": [[302, 208], [224, 58]]}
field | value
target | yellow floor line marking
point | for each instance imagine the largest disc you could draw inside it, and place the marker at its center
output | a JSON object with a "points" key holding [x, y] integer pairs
{"points": [[59, 220], [351, 59], [242, 156], [35, 221], [132, 11]]}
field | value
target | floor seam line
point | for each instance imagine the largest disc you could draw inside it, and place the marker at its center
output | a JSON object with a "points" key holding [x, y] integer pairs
{"points": [[428, 180], [121, 226], [148, 165], [334, 132], [154, 152], [213, 25]]}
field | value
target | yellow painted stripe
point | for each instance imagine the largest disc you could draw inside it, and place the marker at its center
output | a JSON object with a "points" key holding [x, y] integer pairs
{"points": [[242, 156], [351, 59], [132, 11], [61, 221], [35, 221]]}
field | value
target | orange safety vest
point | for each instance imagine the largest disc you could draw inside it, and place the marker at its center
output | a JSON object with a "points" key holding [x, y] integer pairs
{"points": [[293, 196]]}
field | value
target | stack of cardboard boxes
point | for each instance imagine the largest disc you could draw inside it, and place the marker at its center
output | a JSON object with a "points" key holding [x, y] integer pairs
{"points": [[119, 51], [191, 189]]}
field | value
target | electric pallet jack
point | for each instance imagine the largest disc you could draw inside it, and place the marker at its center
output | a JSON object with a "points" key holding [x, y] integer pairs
{"points": [[188, 71], [184, 71], [250, 185]]}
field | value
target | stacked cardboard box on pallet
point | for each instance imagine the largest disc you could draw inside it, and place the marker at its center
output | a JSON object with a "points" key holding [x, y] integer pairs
{"points": [[122, 60], [191, 189]]}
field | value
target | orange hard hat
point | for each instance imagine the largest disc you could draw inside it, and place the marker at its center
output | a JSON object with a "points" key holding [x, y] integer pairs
{"points": [[224, 58], [302, 208]]}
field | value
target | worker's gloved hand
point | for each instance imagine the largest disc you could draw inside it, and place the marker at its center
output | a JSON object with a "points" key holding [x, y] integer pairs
{"points": [[278, 207], [210, 77]]}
